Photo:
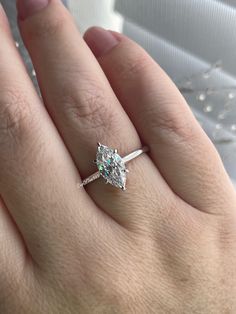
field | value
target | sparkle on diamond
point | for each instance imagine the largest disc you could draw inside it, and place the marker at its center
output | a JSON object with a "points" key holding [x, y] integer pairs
{"points": [[111, 166]]}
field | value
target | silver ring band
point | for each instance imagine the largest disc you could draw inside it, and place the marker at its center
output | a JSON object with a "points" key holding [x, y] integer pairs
{"points": [[111, 166]]}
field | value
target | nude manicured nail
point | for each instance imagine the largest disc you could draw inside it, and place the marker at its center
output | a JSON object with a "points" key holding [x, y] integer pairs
{"points": [[27, 8], [100, 41]]}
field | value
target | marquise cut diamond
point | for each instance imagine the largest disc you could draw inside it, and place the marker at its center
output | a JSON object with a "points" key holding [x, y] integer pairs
{"points": [[111, 166]]}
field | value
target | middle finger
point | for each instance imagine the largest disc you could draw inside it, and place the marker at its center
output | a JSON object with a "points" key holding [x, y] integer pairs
{"points": [[84, 107]]}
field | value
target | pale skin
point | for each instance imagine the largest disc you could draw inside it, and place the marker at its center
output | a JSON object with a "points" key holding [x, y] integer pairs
{"points": [[165, 245]]}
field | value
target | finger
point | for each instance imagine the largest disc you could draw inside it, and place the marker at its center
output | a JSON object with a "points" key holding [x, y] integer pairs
{"points": [[84, 107], [37, 176], [13, 254], [181, 150]]}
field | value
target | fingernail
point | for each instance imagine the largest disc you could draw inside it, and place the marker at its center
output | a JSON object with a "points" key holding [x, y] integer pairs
{"points": [[100, 41], [27, 8]]}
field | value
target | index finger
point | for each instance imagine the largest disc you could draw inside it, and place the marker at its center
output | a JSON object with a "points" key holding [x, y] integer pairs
{"points": [[35, 167]]}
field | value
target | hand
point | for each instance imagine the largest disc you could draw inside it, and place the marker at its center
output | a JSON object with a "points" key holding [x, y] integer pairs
{"points": [[167, 244]]}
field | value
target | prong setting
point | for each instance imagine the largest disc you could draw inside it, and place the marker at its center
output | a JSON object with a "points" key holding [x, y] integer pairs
{"points": [[111, 166]]}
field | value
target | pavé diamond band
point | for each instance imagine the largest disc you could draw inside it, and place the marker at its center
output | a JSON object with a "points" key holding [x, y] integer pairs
{"points": [[111, 166]]}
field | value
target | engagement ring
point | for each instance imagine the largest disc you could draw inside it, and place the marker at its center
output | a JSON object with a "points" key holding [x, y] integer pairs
{"points": [[111, 166]]}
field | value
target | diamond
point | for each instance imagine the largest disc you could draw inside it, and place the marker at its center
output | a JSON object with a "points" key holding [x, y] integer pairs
{"points": [[111, 166]]}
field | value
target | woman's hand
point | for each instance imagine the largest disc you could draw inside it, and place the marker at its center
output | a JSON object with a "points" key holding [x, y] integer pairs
{"points": [[167, 244]]}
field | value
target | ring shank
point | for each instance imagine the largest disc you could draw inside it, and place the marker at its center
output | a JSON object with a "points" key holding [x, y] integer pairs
{"points": [[135, 154]]}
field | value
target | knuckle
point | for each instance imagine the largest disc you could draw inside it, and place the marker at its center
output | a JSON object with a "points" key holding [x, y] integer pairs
{"points": [[226, 234], [89, 106], [15, 115], [46, 27], [134, 66], [171, 123]]}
